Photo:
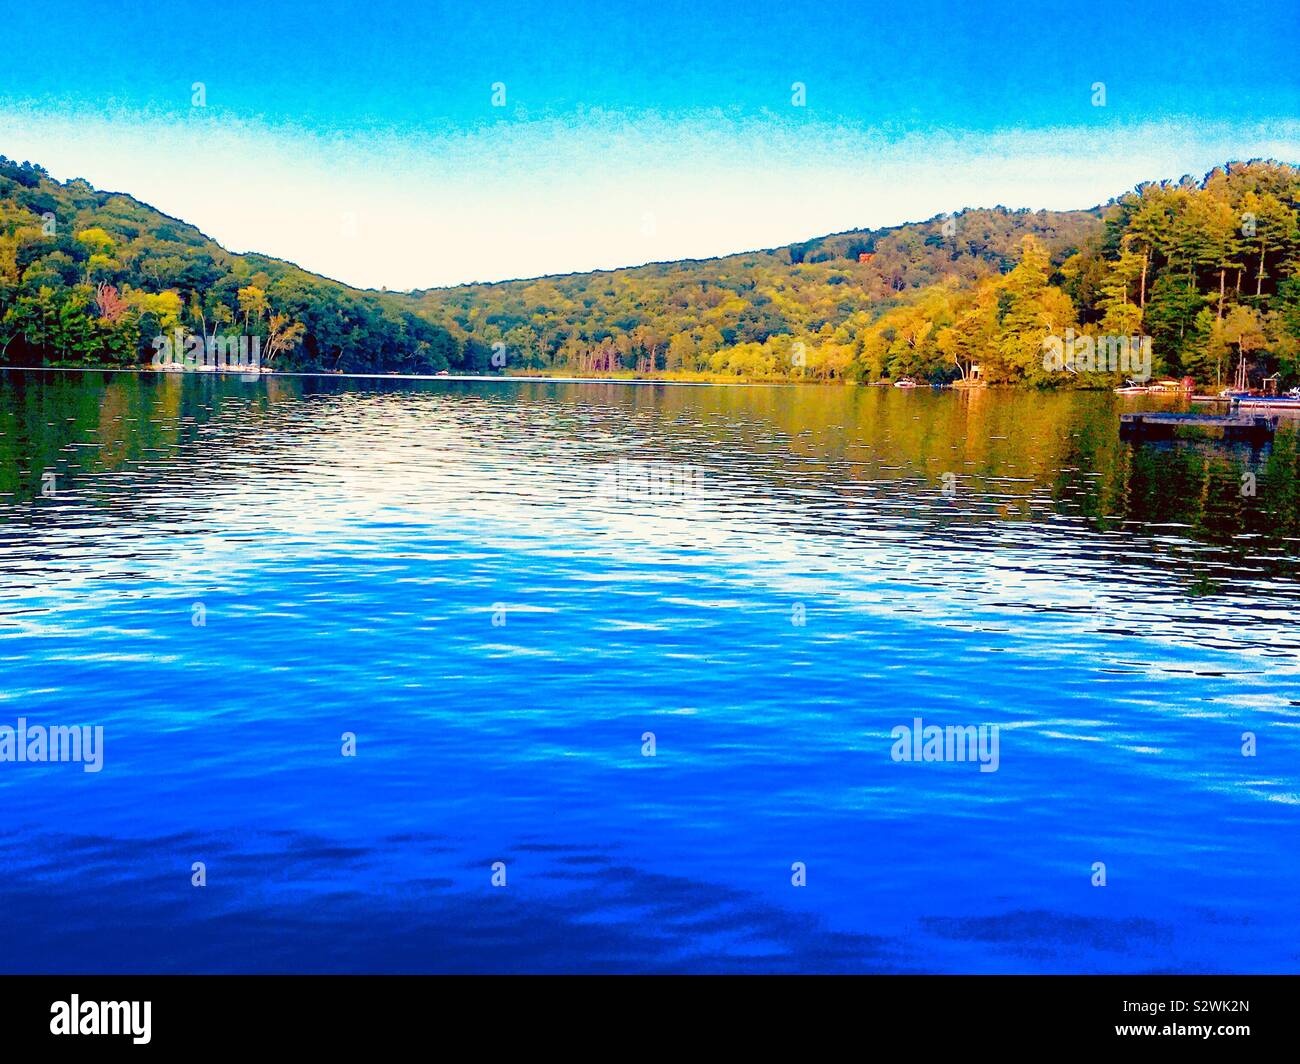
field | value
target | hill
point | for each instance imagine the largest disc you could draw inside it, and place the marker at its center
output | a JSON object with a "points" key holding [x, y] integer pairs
{"points": [[1207, 268]]}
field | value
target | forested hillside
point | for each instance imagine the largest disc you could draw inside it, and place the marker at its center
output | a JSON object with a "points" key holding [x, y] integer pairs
{"points": [[741, 315], [90, 278], [1207, 268]]}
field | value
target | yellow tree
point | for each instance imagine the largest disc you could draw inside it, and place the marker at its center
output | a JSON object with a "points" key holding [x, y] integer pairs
{"points": [[1031, 311], [968, 341], [1244, 328], [252, 303], [101, 264], [282, 335]]}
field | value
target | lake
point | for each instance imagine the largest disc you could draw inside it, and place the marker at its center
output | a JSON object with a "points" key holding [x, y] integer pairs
{"points": [[536, 676]]}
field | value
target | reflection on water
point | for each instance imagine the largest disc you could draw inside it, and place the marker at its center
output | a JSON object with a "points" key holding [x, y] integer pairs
{"points": [[501, 587]]}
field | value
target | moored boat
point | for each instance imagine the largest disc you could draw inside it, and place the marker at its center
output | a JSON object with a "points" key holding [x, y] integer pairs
{"points": [[1267, 402]]}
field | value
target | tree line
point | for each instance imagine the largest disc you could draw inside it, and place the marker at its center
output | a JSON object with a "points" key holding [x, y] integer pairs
{"points": [[1207, 268], [90, 278]]}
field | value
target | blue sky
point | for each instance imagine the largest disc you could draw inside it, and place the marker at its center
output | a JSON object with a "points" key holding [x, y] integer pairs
{"points": [[360, 139]]}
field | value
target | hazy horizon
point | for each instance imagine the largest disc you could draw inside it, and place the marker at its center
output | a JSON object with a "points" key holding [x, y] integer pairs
{"points": [[64, 178], [447, 147]]}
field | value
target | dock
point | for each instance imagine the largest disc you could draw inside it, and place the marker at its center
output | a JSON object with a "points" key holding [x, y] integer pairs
{"points": [[1156, 426]]}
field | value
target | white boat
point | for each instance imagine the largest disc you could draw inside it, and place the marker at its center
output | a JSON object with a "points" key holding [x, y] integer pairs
{"points": [[1267, 402]]}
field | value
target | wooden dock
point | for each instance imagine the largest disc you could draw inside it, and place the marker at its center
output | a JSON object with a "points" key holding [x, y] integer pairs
{"points": [[1156, 426]]}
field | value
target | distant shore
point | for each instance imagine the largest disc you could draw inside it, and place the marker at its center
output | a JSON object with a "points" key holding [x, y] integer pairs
{"points": [[684, 379], [146, 371]]}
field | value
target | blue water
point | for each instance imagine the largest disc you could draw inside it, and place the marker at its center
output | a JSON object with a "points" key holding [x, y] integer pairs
{"points": [[455, 573]]}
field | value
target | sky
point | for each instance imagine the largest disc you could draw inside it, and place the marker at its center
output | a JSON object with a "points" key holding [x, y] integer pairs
{"points": [[426, 144]]}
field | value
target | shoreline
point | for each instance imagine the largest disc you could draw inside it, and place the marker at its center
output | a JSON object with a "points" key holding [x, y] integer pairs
{"points": [[497, 377], [536, 378]]}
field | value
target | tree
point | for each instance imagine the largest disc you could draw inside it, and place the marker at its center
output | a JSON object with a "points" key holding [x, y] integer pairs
{"points": [[1031, 311], [1270, 232], [98, 241], [281, 335], [968, 340], [1244, 328], [1148, 227], [252, 304], [1170, 315], [1121, 316], [1209, 238], [111, 305], [681, 352], [1207, 348]]}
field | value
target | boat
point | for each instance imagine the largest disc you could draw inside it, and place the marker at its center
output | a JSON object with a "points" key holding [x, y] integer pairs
{"points": [[1267, 402], [1133, 388], [905, 382], [1239, 399]]}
